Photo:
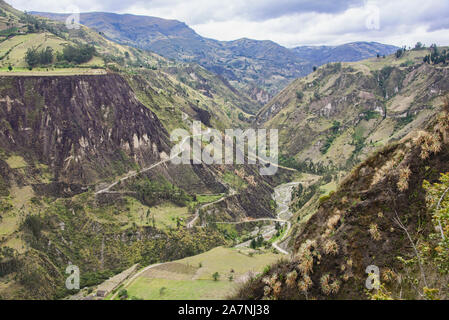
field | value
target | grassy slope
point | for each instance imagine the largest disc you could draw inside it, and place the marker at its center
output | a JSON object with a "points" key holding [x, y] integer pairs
{"points": [[346, 93], [360, 222]]}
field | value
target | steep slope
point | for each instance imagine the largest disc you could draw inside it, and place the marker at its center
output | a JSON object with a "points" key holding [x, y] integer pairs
{"points": [[85, 176], [62, 140], [260, 68], [80, 126], [197, 88], [343, 111], [386, 226]]}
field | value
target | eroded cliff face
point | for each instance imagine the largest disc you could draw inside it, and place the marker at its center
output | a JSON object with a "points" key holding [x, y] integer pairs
{"points": [[85, 128]]}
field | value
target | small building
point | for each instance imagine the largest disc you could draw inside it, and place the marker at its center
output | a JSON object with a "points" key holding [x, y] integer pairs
{"points": [[101, 293]]}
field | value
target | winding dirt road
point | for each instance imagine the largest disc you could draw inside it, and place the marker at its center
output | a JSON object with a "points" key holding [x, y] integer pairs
{"points": [[134, 173], [282, 196]]}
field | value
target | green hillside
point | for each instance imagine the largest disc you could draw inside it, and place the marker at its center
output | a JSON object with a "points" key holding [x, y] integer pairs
{"points": [[339, 114]]}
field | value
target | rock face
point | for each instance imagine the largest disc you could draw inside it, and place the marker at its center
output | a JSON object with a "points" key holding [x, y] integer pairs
{"points": [[83, 127]]}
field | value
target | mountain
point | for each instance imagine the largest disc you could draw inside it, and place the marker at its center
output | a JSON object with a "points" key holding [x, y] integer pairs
{"points": [[382, 235], [247, 64], [350, 52], [85, 173], [341, 113]]}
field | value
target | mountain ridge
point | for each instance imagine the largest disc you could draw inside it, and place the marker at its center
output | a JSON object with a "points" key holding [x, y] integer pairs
{"points": [[244, 62]]}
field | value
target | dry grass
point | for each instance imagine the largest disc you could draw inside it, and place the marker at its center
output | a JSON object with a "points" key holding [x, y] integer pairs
{"points": [[305, 284], [291, 278], [374, 232], [328, 287], [330, 247], [305, 257], [429, 144], [404, 175]]}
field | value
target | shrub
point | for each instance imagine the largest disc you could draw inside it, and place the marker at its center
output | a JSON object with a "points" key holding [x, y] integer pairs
{"points": [[327, 287], [404, 174], [374, 232], [330, 247], [35, 57], [123, 294], [291, 278], [305, 284], [78, 54]]}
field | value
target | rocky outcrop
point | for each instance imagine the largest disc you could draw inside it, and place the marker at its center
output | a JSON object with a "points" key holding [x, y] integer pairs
{"points": [[83, 127]]}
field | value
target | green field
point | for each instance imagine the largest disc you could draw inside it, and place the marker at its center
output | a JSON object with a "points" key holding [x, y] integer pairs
{"points": [[152, 289], [191, 278]]}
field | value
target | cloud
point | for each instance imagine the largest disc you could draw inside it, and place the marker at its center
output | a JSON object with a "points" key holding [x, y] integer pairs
{"points": [[288, 22]]}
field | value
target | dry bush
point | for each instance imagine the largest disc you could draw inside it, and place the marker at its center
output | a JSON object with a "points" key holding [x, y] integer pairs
{"points": [[251, 181], [330, 247], [332, 222], [277, 289], [305, 257], [305, 284], [389, 275], [335, 286], [429, 144], [383, 171], [306, 265], [267, 291], [404, 175], [291, 278], [327, 287], [374, 232]]}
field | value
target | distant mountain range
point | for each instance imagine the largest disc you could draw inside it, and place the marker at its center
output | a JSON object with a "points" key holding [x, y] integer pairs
{"points": [[248, 64]]}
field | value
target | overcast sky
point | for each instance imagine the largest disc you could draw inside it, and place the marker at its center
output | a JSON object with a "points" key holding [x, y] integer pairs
{"points": [[288, 22]]}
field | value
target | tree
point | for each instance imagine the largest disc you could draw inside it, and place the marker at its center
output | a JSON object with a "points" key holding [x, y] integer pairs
{"points": [[299, 95], [78, 54], [34, 57], [253, 244], [123, 294], [31, 57], [10, 67], [399, 53], [216, 276]]}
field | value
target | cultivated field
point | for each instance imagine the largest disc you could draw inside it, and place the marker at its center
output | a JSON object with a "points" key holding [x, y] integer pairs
{"points": [[192, 278]]}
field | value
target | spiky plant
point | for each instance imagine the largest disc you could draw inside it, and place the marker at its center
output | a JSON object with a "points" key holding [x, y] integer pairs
{"points": [[324, 281], [330, 247], [291, 279], [305, 284], [404, 175], [374, 232]]}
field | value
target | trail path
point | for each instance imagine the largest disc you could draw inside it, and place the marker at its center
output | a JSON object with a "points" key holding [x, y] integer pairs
{"points": [[197, 211], [282, 196], [133, 174]]}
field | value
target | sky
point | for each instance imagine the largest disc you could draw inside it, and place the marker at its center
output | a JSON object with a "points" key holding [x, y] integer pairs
{"points": [[288, 22]]}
